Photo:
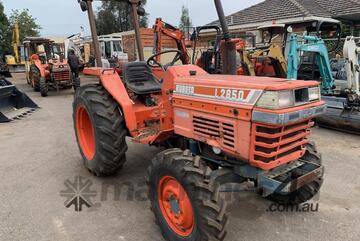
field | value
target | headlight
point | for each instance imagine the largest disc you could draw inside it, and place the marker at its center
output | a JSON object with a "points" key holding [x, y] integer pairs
{"points": [[314, 93], [276, 99], [288, 98]]}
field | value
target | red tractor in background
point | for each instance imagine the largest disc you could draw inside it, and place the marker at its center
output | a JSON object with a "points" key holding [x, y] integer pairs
{"points": [[215, 129], [46, 66]]}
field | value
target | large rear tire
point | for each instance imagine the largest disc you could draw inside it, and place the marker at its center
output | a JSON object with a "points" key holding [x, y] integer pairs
{"points": [[185, 199], [308, 191], [100, 130]]}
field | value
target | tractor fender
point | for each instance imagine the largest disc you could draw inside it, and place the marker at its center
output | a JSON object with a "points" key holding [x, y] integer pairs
{"points": [[41, 69], [112, 82]]}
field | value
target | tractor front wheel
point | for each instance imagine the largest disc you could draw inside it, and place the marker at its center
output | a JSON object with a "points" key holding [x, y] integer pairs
{"points": [[100, 130], [308, 191], [44, 88], [186, 204], [35, 78]]}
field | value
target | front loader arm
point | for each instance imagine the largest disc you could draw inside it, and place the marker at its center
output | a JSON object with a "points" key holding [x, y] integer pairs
{"points": [[275, 53]]}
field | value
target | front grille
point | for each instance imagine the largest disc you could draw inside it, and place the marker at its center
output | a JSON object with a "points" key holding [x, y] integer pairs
{"points": [[62, 75], [223, 131], [273, 145]]}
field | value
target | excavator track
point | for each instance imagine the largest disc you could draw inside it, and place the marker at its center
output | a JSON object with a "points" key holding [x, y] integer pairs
{"points": [[337, 117]]}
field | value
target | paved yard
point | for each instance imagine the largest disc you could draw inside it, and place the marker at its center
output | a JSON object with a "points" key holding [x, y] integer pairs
{"points": [[39, 153]]}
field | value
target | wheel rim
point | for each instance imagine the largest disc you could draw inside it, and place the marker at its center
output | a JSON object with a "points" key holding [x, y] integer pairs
{"points": [[175, 206], [85, 132]]}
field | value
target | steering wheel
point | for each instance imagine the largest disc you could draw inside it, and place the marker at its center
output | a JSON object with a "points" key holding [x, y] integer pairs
{"points": [[153, 63]]}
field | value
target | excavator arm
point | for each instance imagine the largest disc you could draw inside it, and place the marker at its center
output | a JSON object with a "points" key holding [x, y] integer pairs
{"points": [[352, 64], [315, 45], [162, 28], [16, 42]]}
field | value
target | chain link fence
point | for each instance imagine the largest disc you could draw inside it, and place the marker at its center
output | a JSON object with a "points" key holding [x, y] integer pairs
{"points": [[335, 46]]}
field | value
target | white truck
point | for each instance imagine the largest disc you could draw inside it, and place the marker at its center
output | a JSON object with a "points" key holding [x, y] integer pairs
{"points": [[111, 48]]}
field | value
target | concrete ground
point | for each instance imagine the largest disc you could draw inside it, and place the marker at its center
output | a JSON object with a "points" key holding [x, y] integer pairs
{"points": [[39, 153]]}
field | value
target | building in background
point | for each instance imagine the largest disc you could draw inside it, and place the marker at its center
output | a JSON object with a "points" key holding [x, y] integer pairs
{"points": [[294, 12]]}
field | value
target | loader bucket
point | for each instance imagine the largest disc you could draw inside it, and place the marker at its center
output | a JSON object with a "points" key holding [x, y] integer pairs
{"points": [[339, 118], [13, 103]]}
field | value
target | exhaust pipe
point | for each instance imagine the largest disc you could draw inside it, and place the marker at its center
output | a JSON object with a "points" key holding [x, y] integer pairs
{"points": [[228, 47], [222, 19]]}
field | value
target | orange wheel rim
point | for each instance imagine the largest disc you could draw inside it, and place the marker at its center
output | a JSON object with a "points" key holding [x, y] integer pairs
{"points": [[85, 132], [175, 206]]}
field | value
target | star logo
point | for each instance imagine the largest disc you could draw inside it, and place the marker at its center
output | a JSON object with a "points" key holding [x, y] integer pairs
{"points": [[78, 193]]}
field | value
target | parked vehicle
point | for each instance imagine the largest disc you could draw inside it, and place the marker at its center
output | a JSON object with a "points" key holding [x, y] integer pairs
{"points": [[46, 66], [215, 129]]}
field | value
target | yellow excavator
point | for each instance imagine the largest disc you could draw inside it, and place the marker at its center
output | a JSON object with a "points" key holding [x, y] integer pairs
{"points": [[16, 62]]}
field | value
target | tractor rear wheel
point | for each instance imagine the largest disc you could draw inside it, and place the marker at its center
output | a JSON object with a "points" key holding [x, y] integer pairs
{"points": [[35, 78], [44, 88], [186, 204], [308, 191], [100, 130]]}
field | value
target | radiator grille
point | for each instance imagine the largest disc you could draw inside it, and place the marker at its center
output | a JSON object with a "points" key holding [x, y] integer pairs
{"points": [[272, 145], [224, 132], [62, 75]]}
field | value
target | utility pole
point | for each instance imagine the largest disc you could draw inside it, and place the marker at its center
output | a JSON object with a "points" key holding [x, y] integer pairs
{"points": [[94, 32]]}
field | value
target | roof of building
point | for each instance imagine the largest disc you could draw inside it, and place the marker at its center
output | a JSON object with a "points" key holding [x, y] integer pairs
{"points": [[271, 10]]}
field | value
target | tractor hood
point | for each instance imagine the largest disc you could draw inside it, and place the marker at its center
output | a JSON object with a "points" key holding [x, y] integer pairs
{"points": [[192, 83], [253, 82]]}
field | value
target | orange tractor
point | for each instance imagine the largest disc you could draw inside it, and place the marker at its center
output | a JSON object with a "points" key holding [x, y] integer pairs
{"points": [[215, 129], [46, 66]]}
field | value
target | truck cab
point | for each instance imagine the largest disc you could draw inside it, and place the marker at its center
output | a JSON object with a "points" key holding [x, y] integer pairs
{"points": [[112, 51]]}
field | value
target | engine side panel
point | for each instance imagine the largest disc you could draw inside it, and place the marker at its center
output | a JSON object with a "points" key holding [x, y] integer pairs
{"points": [[219, 116], [229, 134]]}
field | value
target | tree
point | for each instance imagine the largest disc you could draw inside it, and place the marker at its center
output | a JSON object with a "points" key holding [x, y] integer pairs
{"points": [[4, 32], [185, 21], [27, 23], [115, 16]]}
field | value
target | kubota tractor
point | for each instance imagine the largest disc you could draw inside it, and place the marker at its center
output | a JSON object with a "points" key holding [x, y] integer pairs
{"points": [[46, 66], [215, 129]]}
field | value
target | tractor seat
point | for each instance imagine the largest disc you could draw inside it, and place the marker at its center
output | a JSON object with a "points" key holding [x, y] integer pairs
{"points": [[138, 78]]}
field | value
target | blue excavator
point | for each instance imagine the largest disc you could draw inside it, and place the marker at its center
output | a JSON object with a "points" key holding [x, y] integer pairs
{"points": [[342, 95]]}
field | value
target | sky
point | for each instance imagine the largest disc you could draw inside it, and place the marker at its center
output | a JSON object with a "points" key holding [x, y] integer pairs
{"points": [[64, 17]]}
